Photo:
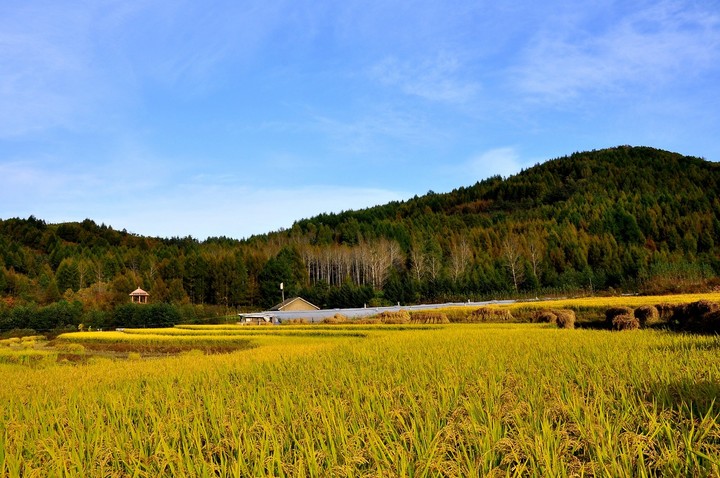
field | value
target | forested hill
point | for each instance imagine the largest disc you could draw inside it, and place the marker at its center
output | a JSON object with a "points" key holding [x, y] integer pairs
{"points": [[634, 218], [585, 189]]}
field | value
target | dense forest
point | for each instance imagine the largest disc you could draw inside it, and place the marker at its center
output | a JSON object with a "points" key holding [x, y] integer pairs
{"points": [[632, 219]]}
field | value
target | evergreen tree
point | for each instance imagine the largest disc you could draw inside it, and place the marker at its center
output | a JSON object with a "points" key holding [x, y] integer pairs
{"points": [[68, 276]]}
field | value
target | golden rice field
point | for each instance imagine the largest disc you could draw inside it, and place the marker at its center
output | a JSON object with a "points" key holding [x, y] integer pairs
{"points": [[451, 400], [588, 308]]}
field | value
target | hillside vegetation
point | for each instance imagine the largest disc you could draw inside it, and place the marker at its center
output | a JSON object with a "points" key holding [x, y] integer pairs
{"points": [[634, 219]]}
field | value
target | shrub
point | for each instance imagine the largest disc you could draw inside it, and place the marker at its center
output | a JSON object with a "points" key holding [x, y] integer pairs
{"points": [[429, 317], [17, 333], [146, 315], [625, 322], [488, 314], [647, 314], [613, 312]]}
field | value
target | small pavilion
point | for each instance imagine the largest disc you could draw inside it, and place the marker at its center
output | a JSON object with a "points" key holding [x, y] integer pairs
{"points": [[139, 296]]}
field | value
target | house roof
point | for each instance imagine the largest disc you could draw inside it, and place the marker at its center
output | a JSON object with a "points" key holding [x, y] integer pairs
{"points": [[283, 305], [138, 291]]}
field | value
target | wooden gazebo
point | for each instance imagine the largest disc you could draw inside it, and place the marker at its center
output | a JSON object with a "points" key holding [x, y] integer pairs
{"points": [[139, 296]]}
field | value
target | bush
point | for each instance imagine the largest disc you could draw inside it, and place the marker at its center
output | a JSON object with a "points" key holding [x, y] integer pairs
{"points": [[58, 314], [487, 314], [17, 333], [97, 319], [613, 312], [146, 315], [625, 322], [22, 317], [429, 317], [647, 314]]}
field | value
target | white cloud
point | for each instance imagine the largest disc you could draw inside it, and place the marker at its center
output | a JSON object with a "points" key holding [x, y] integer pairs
{"points": [[64, 65], [44, 81], [435, 79], [380, 129], [654, 46], [503, 161]]}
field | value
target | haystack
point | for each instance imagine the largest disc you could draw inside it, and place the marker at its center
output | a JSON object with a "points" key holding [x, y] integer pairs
{"points": [[647, 314], [625, 322]]}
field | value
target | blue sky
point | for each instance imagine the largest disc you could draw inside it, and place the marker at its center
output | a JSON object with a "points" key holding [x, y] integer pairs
{"points": [[175, 118]]}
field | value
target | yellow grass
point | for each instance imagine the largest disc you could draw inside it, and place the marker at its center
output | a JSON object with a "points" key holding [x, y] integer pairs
{"points": [[615, 301], [586, 303], [458, 400]]}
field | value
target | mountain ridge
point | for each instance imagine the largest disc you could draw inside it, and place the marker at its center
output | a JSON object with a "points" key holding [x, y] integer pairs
{"points": [[637, 219]]}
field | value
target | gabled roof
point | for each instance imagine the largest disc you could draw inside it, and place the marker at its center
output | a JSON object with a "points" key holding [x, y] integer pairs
{"points": [[138, 291], [283, 305]]}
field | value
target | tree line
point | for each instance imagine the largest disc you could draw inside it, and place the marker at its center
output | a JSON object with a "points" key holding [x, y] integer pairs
{"points": [[635, 219]]}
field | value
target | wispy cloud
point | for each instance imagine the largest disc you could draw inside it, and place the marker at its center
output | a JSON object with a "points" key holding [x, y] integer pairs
{"points": [[45, 81], [661, 43], [504, 161], [382, 128], [435, 79], [63, 65], [188, 45]]}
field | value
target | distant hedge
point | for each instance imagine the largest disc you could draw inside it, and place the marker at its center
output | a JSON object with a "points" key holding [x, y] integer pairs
{"points": [[146, 315]]}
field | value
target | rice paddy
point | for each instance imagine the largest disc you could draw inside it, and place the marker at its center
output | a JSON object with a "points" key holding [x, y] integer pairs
{"points": [[359, 401]]}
